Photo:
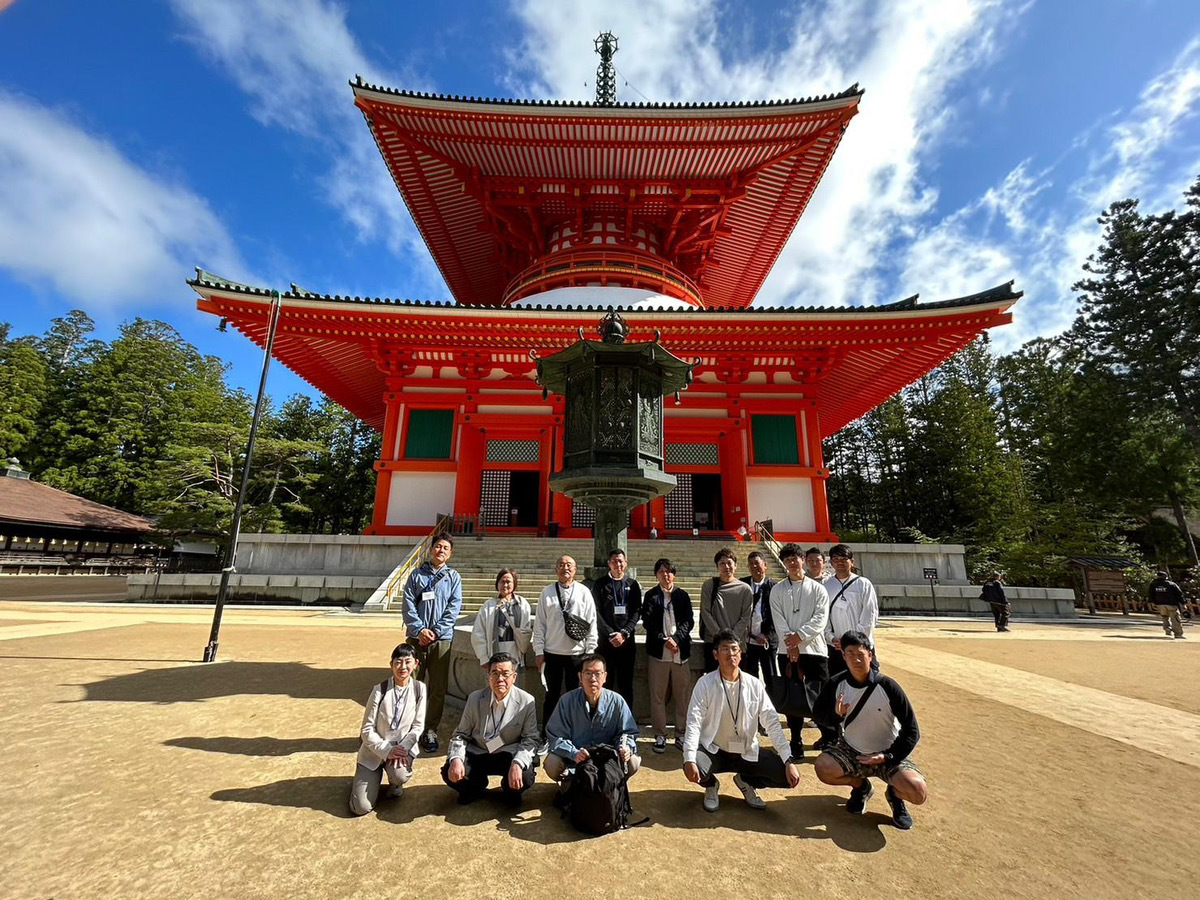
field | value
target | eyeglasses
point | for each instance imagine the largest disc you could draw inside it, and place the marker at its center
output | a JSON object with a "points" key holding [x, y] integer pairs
{"points": [[592, 676], [504, 676], [730, 651]]}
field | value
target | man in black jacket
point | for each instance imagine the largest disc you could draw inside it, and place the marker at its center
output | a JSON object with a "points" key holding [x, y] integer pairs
{"points": [[668, 618], [1168, 597], [618, 607], [877, 733], [762, 642], [993, 595]]}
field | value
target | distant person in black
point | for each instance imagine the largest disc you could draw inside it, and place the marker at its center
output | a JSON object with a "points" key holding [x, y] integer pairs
{"points": [[618, 608], [1167, 596], [993, 595]]}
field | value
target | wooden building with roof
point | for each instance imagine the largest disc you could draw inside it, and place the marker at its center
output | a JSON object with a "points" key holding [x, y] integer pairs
{"points": [[41, 522], [542, 214]]}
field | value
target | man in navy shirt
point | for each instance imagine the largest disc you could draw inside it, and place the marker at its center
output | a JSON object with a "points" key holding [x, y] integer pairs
{"points": [[586, 717]]}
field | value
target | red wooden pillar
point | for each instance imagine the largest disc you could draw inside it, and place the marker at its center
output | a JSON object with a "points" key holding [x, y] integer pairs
{"points": [[733, 475], [816, 458], [472, 451], [389, 451]]}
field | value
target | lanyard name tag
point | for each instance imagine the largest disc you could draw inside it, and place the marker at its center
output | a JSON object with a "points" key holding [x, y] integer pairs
{"points": [[618, 609], [738, 747], [495, 743], [427, 596]]}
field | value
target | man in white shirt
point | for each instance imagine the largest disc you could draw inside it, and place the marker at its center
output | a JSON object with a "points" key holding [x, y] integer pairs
{"points": [[564, 607], [853, 606], [497, 735], [800, 610], [724, 716]]}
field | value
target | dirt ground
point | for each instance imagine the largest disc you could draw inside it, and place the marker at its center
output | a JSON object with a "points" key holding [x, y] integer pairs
{"points": [[1062, 760]]}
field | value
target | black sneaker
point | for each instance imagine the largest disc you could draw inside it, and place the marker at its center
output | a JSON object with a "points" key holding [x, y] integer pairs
{"points": [[429, 742], [797, 750], [857, 804], [900, 815], [822, 743]]}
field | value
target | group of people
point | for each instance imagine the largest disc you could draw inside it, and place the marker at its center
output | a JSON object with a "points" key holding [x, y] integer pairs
{"points": [[812, 631]]}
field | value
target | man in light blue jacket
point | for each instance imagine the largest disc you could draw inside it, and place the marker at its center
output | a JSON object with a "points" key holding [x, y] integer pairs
{"points": [[432, 603]]}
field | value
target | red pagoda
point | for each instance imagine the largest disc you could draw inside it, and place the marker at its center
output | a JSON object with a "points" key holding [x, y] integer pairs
{"points": [[538, 215]]}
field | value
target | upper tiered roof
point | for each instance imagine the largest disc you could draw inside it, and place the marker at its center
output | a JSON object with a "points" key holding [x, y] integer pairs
{"points": [[693, 200]]}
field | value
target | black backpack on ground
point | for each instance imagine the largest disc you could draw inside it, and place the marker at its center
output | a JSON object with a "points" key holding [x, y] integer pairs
{"points": [[596, 800]]}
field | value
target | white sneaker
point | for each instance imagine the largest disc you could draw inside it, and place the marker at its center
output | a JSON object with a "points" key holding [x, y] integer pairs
{"points": [[712, 796], [752, 799]]}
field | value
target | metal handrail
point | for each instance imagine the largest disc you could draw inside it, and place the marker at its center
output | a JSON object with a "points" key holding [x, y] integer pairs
{"points": [[767, 539]]}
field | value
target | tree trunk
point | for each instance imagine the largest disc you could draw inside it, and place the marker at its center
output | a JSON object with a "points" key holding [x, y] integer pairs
{"points": [[1181, 521]]}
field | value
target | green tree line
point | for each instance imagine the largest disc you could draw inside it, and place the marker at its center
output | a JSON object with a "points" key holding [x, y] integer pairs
{"points": [[147, 424], [1064, 447]]}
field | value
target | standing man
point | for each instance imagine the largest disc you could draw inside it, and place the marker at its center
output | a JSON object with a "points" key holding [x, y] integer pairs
{"points": [[877, 731], [668, 619], [800, 609], [618, 606], [432, 603], [497, 735], [1168, 597], [586, 717], [762, 642], [853, 606], [725, 713], [725, 605], [814, 564], [993, 595], [564, 631]]}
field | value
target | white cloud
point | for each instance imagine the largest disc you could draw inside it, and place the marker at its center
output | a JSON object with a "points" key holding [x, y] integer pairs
{"points": [[78, 216], [907, 55], [294, 59]]}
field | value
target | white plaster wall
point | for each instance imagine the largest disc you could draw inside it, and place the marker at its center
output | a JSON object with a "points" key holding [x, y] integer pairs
{"points": [[416, 498], [787, 501]]}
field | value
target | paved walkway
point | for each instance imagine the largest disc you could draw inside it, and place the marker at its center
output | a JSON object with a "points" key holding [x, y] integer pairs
{"points": [[1062, 760]]}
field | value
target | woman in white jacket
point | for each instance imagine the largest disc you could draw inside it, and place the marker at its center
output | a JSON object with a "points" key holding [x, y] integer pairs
{"points": [[392, 723], [505, 624]]}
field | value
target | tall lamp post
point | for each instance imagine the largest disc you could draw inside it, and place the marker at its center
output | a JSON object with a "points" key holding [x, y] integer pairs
{"points": [[235, 529], [613, 443]]}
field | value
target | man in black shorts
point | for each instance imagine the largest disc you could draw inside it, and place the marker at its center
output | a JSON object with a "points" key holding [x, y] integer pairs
{"points": [[877, 731]]}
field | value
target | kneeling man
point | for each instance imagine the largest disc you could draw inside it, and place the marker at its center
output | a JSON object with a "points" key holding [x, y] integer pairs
{"points": [[877, 731], [497, 735], [589, 716], [391, 726], [727, 708]]}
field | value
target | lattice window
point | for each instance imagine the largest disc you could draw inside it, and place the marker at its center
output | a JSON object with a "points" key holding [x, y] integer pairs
{"points": [[692, 455], [493, 498], [679, 502], [512, 451]]}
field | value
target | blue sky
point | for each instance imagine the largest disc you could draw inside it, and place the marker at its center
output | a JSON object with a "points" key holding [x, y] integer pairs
{"points": [[140, 139]]}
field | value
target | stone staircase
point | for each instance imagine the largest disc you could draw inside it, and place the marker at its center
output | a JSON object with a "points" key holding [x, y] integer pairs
{"points": [[478, 561]]}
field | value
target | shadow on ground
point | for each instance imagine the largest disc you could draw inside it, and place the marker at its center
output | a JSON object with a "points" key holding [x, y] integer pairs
{"points": [[815, 817], [204, 681], [1138, 637], [266, 746]]}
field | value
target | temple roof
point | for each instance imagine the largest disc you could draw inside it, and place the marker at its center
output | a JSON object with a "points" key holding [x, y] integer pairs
{"points": [[848, 359], [718, 187], [26, 502]]}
